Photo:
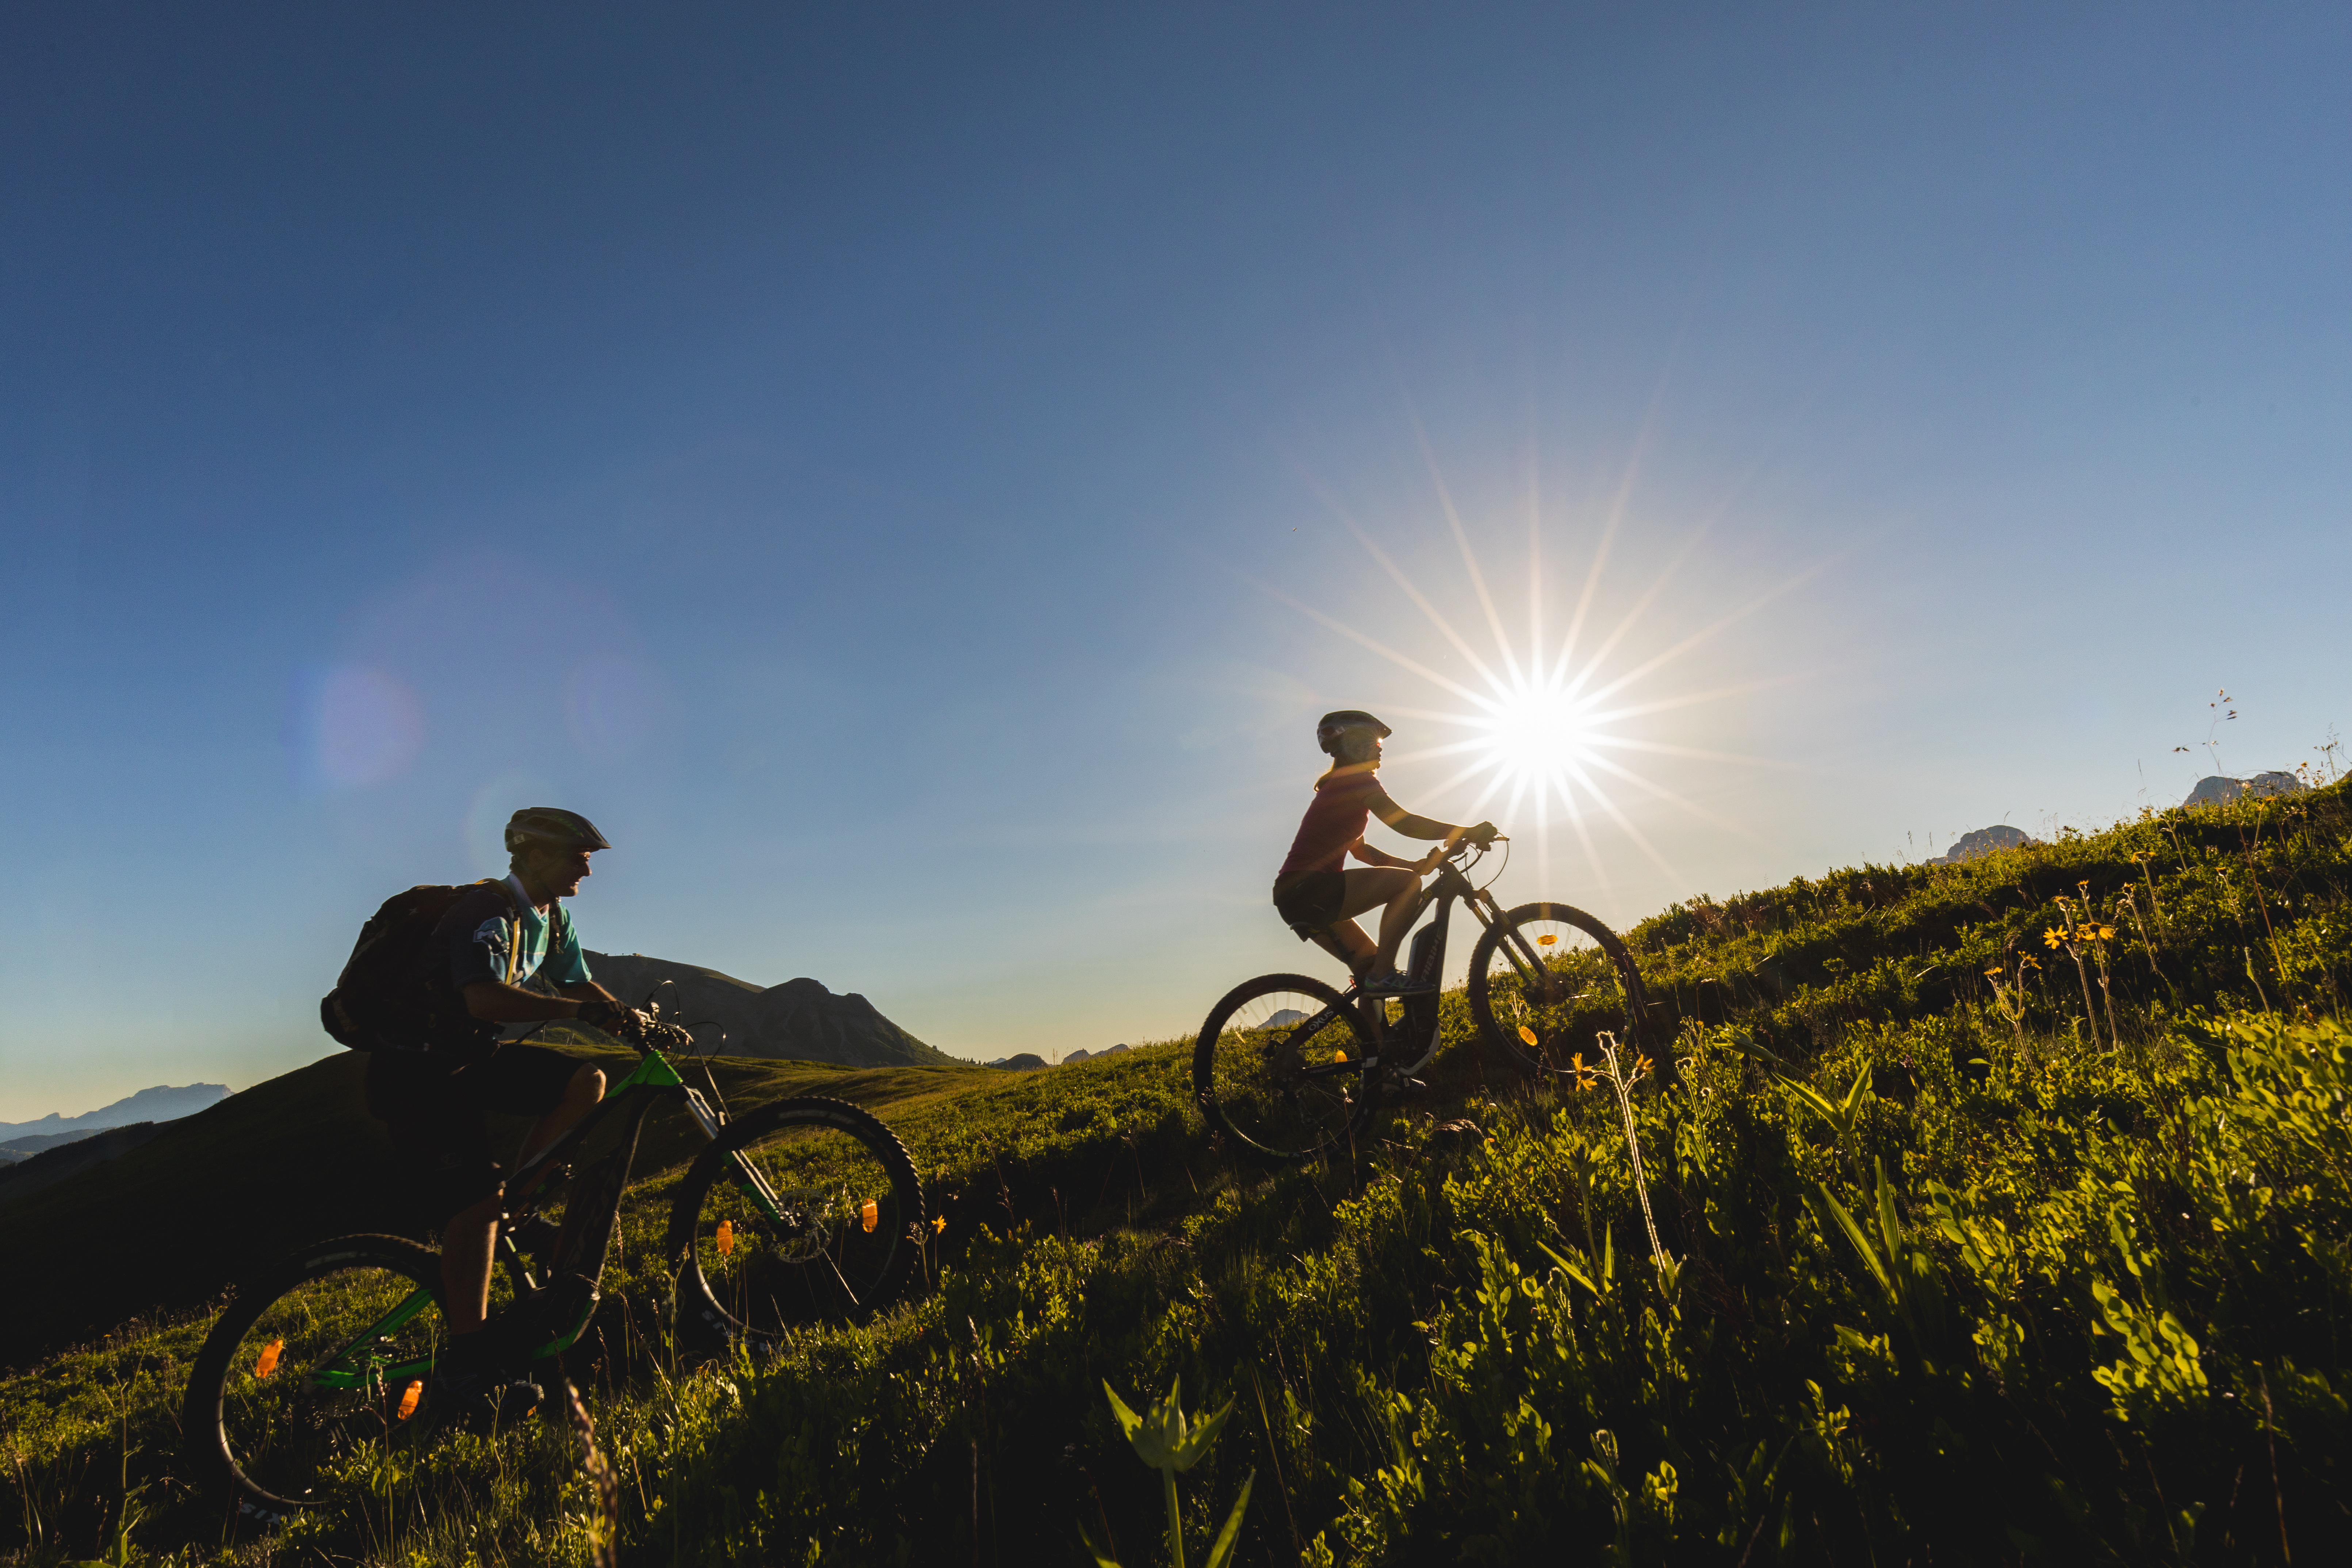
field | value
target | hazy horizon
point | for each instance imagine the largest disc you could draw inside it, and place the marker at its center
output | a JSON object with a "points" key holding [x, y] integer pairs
{"points": [[914, 478]]}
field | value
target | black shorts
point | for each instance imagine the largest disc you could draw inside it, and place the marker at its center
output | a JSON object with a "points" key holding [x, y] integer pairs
{"points": [[438, 1109], [1311, 905]]}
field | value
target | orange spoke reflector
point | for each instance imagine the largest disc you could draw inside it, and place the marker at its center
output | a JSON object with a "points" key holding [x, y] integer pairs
{"points": [[267, 1362], [408, 1398], [1528, 1034], [725, 1238], [1546, 939], [869, 1213]]}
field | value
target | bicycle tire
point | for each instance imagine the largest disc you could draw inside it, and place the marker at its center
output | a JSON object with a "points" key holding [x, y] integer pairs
{"points": [[854, 1220], [1584, 991], [267, 1429], [1284, 1096]]}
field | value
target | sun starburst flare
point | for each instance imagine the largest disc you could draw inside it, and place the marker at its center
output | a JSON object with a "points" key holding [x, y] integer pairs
{"points": [[1537, 721]]}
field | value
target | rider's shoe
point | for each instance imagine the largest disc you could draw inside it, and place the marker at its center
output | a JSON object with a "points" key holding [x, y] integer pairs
{"points": [[1397, 982]]}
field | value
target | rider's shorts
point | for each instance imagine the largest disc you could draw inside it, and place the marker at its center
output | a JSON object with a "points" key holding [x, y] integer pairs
{"points": [[1312, 904], [438, 1109]]}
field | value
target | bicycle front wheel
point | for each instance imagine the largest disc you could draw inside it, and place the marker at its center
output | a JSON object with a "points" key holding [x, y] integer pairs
{"points": [[1547, 980], [312, 1377], [805, 1211], [1283, 1067]]}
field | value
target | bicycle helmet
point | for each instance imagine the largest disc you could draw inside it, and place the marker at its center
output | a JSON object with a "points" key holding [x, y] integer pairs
{"points": [[552, 825], [1328, 729]]}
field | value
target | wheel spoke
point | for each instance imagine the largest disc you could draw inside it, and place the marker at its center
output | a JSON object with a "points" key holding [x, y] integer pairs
{"points": [[1546, 981], [822, 1230], [294, 1391], [1279, 1064]]}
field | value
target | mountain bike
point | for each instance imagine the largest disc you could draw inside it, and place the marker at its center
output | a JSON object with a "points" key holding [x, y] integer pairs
{"points": [[1292, 1067], [798, 1211]]}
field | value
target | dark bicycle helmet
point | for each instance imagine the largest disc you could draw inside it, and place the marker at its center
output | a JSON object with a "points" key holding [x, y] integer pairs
{"points": [[1328, 729], [552, 825]]}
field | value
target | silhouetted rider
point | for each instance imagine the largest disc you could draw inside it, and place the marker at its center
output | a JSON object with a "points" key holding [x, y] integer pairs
{"points": [[1318, 897], [438, 1100]]}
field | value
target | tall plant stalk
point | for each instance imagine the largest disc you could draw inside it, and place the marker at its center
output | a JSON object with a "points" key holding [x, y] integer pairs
{"points": [[1622, 1083]]}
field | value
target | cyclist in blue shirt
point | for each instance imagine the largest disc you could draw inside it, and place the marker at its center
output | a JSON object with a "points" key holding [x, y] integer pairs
{"points": [[438, 1099]]}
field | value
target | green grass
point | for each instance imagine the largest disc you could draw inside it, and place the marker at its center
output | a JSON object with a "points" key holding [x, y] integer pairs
{"points": [[2039, 1300]]}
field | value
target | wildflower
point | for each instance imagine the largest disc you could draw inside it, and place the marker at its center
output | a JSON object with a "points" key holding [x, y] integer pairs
{"points": [[940, 1223], [2052, 937]]}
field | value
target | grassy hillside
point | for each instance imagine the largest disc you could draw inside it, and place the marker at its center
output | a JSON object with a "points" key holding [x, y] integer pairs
{"points": [[167, 1225], [1964, 1258]]}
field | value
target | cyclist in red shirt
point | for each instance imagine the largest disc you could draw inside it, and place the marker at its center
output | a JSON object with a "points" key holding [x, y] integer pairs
{"points": [[1318, 897]]}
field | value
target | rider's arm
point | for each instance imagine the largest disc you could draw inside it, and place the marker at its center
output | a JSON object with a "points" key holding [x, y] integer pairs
{"points": [[1413, 827], [497, 1002], [1372, 856]]}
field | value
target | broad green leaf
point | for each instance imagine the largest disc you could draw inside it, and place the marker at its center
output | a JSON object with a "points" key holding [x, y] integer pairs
{"points": [[1570, 1269], [1820, 1196]]}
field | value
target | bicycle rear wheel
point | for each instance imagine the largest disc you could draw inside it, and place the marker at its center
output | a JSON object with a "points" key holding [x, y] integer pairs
{"points": [[852, 1220], [1284, 1066], [1545, 981], [309, 1377]]}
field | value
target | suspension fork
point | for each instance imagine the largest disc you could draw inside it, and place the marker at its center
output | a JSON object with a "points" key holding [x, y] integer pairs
{"points": [[747, 1175], [1524, 958]]}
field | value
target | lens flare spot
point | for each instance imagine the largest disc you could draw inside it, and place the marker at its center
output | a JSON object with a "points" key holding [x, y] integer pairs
{"points": [[408, 1398], [725, 1238], [1528, 1034], [869, 1214], [267, 1361], [1546, 939], [611, 706], [356, 727]]}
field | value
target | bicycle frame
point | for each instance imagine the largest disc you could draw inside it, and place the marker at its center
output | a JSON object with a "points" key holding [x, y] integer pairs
{"points": [[652, 1081], [1426, 966]]}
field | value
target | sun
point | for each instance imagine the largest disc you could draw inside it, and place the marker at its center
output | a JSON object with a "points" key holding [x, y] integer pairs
{"points": [[1539, 716], [1534, 736]]}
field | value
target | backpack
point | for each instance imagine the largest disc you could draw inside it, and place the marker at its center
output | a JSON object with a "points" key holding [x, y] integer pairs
{"points": [[388, 997]]}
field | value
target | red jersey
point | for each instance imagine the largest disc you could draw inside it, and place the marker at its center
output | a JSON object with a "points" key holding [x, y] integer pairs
{"points": [[1337, 817]]}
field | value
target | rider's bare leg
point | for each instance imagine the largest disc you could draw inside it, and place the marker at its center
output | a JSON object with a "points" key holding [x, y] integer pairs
{"points": [[1347, 943], [468, 1239], [580, 1097], [466, 1265], [1371, 888]]}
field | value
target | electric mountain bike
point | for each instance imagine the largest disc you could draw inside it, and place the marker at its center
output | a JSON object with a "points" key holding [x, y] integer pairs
{"points": [[1292, 1067], [800, 1210]]}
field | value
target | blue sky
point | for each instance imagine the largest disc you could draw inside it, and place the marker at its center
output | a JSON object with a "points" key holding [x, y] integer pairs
{"points": [[878, 462]]}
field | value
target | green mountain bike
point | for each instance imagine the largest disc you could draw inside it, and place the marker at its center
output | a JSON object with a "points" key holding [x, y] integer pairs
{"points": [[801, 1210], [1292, 1067]]}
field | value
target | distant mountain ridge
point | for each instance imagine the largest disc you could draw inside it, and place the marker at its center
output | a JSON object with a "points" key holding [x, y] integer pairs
{"points": [[797, 1021], [159, 1103]]}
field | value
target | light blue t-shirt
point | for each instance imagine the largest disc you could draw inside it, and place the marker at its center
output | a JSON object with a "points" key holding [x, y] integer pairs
{"points": [[567, 966]]}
